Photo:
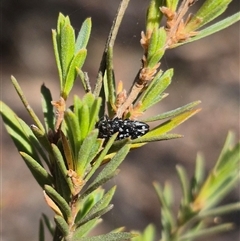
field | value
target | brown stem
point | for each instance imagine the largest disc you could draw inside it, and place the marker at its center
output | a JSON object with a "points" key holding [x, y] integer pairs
{"points": [[136, 89], [177, 20]]}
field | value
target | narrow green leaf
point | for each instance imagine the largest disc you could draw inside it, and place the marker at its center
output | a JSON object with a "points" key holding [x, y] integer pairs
{"points": [[107, 237], [111, 97], [149, 233], [186, 198], [48, 224], [97, 184], [60, 23], [154, 15], [229, 154], [67, 48], [159, 190], [89, 99], [154, 91], [84, 119], [41, 231], [100, 158], [48, 112], [96, 148], [77, 108], [143, 140], [73, 131], [77, 61], [62, 166], [85, 80], [86, 203], [100, 205], [162, 37], [59, 200], [62, 225], [84, 152], [89, 115], [16, 131], [67, 152], [171, 124], [113, 164], [39, 173], [63, 188], [97, 214], [156, 47], [26, 104], [83, 230], [98, 88], [172, 4], [168, 194], [78, 103], [158, 99], [219, 211], [43, 139], [208, 11], [199, 174], [118, 230], [153, 44], [83, 35], [86, 206], [213, 28], [94, 113], [166, 208], [56, 48], [155, 58], [152, 83], [218, 191], [33, 142], [172, 113], [117, 145], [221, 179], [206, 232]]}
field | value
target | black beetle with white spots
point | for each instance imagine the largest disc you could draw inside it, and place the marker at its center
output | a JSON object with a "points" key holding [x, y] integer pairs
{"points": [[126, 128]]}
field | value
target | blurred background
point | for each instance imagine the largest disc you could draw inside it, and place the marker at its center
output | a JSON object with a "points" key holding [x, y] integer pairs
{"points": [[207, 70]]}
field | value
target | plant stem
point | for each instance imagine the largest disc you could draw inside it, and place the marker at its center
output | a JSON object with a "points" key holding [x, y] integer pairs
{"points": [[110, 43]]}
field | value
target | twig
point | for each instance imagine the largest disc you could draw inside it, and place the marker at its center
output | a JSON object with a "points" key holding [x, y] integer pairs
{"points": [[110, 43], [177, 19]]}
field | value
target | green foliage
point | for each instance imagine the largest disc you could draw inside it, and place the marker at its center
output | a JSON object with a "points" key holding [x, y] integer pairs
{"points": [[71, 163], [47, 108], [223, 177], [200, 198], [147, 235], [154, 92], [172, 4], [68, 53], [37, 170], [154, 16], [208, 11], [218, 26]]}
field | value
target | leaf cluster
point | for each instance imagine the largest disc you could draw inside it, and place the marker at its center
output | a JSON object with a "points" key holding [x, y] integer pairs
{"points": [[200, 196]]}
